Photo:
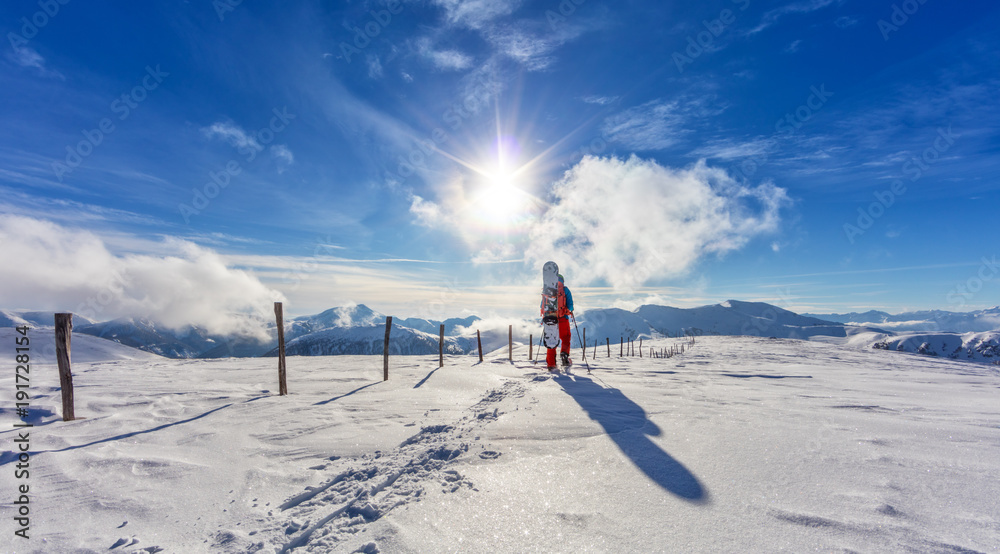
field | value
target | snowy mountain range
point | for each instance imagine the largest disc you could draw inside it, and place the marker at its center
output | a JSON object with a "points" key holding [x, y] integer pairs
{"points": [[357, 329], [343, 330], [732, 317], [923, 321], [367, 339]]}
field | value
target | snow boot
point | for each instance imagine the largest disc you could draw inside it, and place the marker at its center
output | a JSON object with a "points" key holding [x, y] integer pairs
{"points": [[564, 356]]}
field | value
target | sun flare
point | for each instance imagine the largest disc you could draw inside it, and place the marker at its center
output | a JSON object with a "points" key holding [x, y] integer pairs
{"points": [[501, 202]]}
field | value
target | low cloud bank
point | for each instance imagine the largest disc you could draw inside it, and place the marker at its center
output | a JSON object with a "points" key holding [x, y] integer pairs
{"points": [[51, 267]]}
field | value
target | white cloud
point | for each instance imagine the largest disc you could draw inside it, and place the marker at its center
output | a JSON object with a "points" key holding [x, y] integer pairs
{"points": [[625, 222], [844, 21], [427, 213], [67, 269], [599, 100], [233, 134], [448, 60], [282, 153], [530, 50], [731, 150], [654, 125], [451, 59], [772, 16], [528, 41], [28, 57], [374, 67], [475, 14]]}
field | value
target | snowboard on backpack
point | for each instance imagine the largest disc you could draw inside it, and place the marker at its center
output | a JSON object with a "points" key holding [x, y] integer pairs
{"points": [[550, 305]]}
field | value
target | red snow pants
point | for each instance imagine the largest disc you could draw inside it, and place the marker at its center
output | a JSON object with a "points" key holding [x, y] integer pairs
{"points": [[564, 336]]}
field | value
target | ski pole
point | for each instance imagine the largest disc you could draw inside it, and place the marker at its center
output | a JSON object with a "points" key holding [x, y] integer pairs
{"points": [[579, 339]]}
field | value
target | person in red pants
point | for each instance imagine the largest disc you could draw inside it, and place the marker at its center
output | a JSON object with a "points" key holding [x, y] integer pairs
{"points": [[565, 309]]}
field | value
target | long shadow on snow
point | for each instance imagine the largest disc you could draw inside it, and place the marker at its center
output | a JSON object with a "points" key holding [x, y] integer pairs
{"points": [[12, 456], [627, 425], [346, 394]]}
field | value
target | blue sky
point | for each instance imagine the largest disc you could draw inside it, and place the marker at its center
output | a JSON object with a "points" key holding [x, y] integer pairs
{"points": [[426, 157]]}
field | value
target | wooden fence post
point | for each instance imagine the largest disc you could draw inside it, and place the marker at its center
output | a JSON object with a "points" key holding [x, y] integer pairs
{"points": [[609, 345], [64, 332], [279, 316], [640, 347], [531, 347], [479, 341], [583, 341], [385, 350], [510, 342], [621, 348], [441, 347]]}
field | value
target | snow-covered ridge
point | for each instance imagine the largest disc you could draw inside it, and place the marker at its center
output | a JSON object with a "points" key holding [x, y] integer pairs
{"points": [[732, 317], [368, 339], [83, 348], [976, 347], [357, 329], [923, 321]]}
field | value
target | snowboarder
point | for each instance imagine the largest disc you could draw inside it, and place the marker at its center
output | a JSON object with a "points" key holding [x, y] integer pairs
{"points": [[557, 303]]}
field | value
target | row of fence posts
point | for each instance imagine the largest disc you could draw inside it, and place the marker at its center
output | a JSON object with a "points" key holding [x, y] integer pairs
{"points": [[653, 353], [64, 330]]}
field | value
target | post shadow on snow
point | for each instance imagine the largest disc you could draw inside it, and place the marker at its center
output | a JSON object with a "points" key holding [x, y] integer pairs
{"points": [[424, 380], [12, 456], [626, 424], [346, 394]]}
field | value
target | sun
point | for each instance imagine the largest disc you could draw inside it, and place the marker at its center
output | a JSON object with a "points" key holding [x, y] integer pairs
{"points": [[501, 202]]}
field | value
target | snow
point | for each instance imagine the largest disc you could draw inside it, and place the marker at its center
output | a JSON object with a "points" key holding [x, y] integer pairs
{"points": [[976, 347], [740, 444], [83, 348]]}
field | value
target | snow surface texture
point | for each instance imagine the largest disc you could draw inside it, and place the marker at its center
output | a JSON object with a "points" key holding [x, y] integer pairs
{"points": [[741, 444]]}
